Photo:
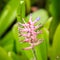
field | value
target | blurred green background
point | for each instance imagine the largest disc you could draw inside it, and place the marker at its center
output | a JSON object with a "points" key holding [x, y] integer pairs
{"points": [[12, 11]]}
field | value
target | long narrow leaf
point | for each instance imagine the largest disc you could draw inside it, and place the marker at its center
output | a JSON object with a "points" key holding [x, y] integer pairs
{"points": [[8, 15]]}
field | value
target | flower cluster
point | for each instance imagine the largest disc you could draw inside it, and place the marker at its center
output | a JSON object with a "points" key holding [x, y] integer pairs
{"points": [[29, 32]]}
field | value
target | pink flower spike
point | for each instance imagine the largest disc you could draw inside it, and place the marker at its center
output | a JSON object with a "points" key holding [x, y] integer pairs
{"points": [[29, 32]]}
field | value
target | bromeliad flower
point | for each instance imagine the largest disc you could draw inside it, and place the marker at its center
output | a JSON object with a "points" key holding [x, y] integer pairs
{"points": [[28, 30]]}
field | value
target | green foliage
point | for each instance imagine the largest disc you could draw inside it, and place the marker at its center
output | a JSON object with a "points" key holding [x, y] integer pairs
{"points": [[8, 15], [7, 42], [12, 49], [56, 45], [55, 11], [28, 5], [21, 10], [40, 13], [42, 49], [54, 30], [4, 55]]}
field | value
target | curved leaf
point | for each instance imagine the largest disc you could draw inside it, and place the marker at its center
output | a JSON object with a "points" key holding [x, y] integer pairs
{"points": [[55, 10], [42, 49], [40, 13], [56, 45], [21, 11], [8, 15]]}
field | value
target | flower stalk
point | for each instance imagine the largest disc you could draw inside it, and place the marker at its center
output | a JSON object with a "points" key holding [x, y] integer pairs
{"points": [[34, 53]]}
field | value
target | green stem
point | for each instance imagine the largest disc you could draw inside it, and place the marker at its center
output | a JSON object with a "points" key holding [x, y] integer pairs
{"points": [[35, 57]]}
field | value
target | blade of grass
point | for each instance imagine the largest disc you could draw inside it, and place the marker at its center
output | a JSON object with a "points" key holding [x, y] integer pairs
{"points": [[28, 5], [8, 15], [21, 11], [7, 41]]}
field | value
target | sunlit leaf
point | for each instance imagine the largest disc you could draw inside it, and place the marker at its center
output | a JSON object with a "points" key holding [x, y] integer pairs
{"points": [[42, 49], [40, 13], [55, 11], [56, 45], [21, 11], [47, 24], [28, 5], [8, 15]]}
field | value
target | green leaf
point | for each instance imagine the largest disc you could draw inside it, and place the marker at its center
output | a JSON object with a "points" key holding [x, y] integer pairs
{"points": [[4, 55], [40, 13], [7, 41], [38, 53], [55, 10], [47, 24], [42, 49], [17, 56], [28, 5], [45, 45], [21, 11], [56, 45], [8, 15]]}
